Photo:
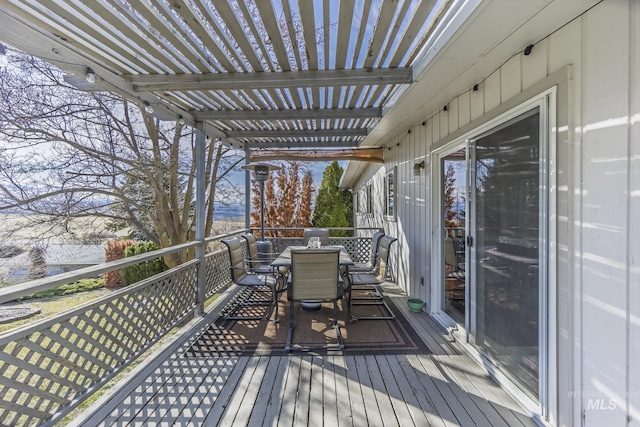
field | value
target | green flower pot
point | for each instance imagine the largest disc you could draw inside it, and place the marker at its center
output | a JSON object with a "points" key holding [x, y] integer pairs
{"points": [[415, 304]]}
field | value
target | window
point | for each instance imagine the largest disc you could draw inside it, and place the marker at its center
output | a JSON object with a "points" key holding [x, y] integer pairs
{"points": [[369, 198], [390, 194]]}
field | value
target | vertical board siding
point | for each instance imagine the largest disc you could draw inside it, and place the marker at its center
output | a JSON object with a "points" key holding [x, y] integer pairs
{"points": [[511, 77], [534, 66], [597, 199], [634, 225], [491, 92], [604, 235]]}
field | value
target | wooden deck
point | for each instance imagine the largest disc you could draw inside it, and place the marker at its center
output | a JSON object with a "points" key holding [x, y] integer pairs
{"points": [[446, 388]]}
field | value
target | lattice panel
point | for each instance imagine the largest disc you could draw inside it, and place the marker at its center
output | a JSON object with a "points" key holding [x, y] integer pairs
{"points": [[218, 275], [359, 248], [45, 366]]}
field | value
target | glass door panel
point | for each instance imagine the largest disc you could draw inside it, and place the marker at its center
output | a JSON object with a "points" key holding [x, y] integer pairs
{"points": [[454, 188], [506, 248]]}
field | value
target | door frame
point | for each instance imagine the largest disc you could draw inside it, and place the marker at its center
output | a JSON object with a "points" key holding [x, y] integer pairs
{"points": [[548, 334]]}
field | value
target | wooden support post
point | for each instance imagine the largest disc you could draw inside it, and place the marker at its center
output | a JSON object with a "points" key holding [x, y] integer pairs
{"points": [[201, 281]]}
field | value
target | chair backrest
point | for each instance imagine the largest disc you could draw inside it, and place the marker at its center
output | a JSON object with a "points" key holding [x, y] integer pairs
{"points": [[252, 250], [450, 252], [314, 274], [374, 246], [236, 258], [382, 261], [322, 233]]}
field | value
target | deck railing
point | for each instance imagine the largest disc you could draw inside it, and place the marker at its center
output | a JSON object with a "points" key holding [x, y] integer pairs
{"points": [[50, 366]]}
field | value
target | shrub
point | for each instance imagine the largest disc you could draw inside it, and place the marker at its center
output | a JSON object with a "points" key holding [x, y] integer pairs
{"points": [[37, 263], [68, 289], [9, 251], [138, 272], [114, 251]]}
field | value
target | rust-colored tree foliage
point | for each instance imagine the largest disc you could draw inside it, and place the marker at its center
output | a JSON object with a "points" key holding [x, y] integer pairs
{"points": [[287, 201], [449, 188], [114, 251]]}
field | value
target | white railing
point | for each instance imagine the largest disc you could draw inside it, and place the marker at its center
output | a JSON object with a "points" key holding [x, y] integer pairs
{"points": [[50, 366]]}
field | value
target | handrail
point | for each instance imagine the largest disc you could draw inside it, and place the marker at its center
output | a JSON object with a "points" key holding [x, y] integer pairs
{"points": [[107, 333], [29, 328], [13, 292], [328, 228]]}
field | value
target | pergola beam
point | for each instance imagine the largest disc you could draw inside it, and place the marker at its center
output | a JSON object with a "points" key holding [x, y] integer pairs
{"points": [[373, 155], [264, 80], [292, 144], [290, 114], [295, 133]]}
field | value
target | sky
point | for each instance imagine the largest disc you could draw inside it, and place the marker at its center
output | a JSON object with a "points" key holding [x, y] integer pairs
{"points": [[317, 171]]}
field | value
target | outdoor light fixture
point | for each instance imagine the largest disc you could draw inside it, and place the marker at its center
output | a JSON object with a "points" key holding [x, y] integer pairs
{"points": [[4, 61], [475, 90], [417, 168], [180, 119], [446, 109], [91, 76], [261, 174], [527, 50], [147, 107]]}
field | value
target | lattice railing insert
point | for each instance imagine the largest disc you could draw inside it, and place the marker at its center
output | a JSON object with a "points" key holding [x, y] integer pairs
{"points": [[218, 273], [46, 365]]}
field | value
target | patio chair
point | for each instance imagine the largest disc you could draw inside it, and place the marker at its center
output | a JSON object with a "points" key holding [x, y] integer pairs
{"points": [[455, 267], [366, 267], [259, 283], [322, 233], [256, 261], [370, 282], [314, 277]]}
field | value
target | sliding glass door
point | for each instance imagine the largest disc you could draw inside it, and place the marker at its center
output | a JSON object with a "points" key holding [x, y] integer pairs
{"points": [[507, 235], [491, 243]]}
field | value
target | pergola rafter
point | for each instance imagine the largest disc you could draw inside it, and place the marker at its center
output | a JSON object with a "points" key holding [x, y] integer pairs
{"points": [[252, 71], [304, 133], [263, 80], [289, 114]]}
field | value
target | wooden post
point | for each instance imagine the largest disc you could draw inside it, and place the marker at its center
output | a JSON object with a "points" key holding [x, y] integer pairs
{"points": [[201, 285]]}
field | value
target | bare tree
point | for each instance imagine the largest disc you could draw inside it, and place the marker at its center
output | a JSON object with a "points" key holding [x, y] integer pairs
{"points": [[68, 154]]}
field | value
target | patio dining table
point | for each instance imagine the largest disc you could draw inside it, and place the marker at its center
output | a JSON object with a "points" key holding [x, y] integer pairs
{"points": [[284, 260]]}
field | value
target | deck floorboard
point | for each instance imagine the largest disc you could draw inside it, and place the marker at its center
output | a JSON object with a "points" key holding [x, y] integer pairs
{"points": [[446, 388]]}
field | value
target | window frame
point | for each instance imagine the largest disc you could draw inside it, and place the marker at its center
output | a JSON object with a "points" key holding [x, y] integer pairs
{"points": [[390, 195]]}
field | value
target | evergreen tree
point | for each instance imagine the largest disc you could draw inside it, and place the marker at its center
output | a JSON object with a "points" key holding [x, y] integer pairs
{"points": [[37, 263], [334, 207]]}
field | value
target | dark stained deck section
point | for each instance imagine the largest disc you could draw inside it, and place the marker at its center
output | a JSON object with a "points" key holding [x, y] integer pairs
{"points": [[446, 388]]}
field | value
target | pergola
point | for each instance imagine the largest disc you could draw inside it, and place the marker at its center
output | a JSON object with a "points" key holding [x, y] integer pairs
{"points": [[255, 74]]}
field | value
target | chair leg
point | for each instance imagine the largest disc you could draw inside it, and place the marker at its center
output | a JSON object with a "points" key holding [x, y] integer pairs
{"points": [[287, 346], [336, 327], [372, 301], [275, 301]]}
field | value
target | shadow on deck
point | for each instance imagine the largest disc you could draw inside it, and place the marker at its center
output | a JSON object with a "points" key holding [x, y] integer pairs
{"points": [[445, 387]]}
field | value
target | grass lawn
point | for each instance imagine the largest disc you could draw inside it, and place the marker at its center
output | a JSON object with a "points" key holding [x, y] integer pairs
{"points": [[54, 305]]}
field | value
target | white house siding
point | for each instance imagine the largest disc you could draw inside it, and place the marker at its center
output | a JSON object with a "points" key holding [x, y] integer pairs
{"points": [[596, 60]]}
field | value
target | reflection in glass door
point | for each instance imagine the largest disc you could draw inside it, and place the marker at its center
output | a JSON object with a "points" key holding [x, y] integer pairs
{"points": [[506, 254], [454, 188]]}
